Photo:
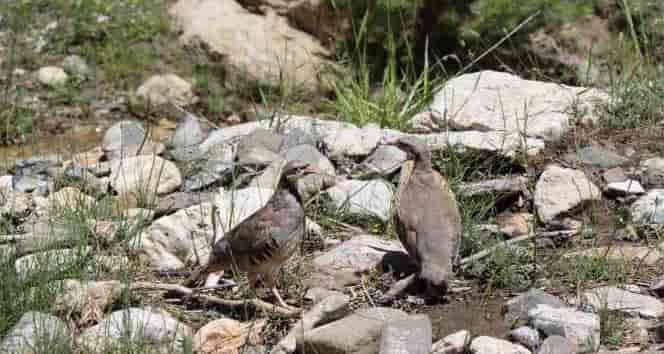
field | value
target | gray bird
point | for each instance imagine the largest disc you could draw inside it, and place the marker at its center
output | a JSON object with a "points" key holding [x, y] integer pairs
{"points": [[264, 241], [427, 220]]}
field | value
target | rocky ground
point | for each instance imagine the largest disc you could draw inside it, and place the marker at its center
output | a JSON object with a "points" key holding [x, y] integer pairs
{"points": [[106, 215]]}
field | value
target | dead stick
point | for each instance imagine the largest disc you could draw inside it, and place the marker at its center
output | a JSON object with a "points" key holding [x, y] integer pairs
{"points": [[259, 304], [487, 252]]}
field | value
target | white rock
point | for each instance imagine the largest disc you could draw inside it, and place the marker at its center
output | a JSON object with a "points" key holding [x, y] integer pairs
{"points": [[36, 333], [498, 101], [372, 198], [264, 48], [385, 160], [52, 76], [70, 197], [580, 328], [614, 299], [164, 89], [489, 345], [649, 209], [625, 188], [144, 176], [454, 343], [654, 171], [154, 326], [357, 333], [559, 190], [526, 336], [172, 241], [329, 309], [48, 261]]}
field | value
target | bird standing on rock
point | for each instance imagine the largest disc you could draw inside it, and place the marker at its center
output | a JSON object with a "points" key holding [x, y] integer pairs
{"points": [[264, 241], [427, 220]]}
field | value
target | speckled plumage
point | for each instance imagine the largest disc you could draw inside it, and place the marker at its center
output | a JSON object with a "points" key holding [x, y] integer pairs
{"points": [[264, 241]]}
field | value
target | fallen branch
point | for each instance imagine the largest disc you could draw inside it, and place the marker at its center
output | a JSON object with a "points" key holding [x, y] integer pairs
{"points": [[188, 292], [489, 251]]}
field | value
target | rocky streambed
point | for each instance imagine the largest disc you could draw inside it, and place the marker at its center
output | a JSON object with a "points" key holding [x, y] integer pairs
{"points": [[576, 228]]}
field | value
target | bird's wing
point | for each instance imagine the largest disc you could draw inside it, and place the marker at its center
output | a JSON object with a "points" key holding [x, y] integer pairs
{"points": [[262, 236], [405, 220]]}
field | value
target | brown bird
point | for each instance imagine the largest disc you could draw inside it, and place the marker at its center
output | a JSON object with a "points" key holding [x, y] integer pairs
{"points": [[427, 220], [264, 241]]}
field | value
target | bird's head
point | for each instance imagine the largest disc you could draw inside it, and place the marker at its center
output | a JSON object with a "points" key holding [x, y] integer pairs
{"points": [[414, 148]]}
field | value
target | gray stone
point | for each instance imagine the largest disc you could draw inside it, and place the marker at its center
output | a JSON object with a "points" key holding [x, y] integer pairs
{"points": [[357, 333], [454, 343], [598, 156], [560, 190], [330, 309], [628, 187], [526, 336], [310, 155], [218, 165], [172, 241], [297, 136], [366, 198], [516, 309], [497, 101], [260, 147], [52, 76], [512, 185], [262, 48], [310, 184], [654, 172], [75, 65], [187, 153], [149, 325], [580, 328], [344, 263], [188, 133], [123, 138], [386, 160], [228, 135], [52, 261], [412, 336], [614, 299], [37, 333], [490, 345], [144, 176], [180, 200], [556, 345], [649, 209], [164, 89]]}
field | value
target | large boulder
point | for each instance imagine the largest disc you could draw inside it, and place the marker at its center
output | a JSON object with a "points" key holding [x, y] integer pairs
{"points": [[151, 326], [357, 333], [497, 101], [37, 332], [265, 47]]}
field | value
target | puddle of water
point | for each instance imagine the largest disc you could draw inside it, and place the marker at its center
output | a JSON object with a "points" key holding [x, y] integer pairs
{"points": [[479, 316], [81, 138]]}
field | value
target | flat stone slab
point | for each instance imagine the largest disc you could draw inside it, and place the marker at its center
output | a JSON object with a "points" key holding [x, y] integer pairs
{"points": [[632, 304]]}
